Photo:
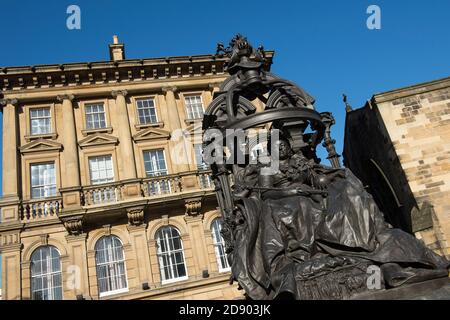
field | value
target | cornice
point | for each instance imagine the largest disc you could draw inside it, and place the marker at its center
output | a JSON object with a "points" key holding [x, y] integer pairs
{"points": [[105, 89], [412, 90], [85, 73]]}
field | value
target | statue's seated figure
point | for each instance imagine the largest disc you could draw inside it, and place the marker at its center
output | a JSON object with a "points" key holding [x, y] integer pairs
{"points": [[313, 232]]}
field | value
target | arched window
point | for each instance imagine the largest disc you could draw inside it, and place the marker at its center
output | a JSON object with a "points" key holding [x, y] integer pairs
{"points": [[46, 277], [170, 255], [110, 262], [219, 245]]}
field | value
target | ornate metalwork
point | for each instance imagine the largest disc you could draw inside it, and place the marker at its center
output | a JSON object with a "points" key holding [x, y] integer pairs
{"points": [[304, 230]]}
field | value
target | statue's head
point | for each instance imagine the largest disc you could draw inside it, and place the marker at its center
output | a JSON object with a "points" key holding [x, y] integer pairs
{"points": [[284, 147]]}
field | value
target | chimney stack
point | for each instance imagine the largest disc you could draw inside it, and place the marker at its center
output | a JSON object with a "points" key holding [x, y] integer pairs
{"points": [[116, 49]]}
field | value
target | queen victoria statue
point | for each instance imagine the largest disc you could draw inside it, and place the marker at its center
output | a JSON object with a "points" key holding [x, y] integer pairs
{"points": [[293, 227]]}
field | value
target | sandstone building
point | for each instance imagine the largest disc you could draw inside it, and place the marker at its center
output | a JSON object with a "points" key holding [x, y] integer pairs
{"points": [[96, 202], [398, 144]]}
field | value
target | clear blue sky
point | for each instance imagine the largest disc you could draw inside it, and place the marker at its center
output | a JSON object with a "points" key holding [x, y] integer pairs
{"points": [[324, 46]]}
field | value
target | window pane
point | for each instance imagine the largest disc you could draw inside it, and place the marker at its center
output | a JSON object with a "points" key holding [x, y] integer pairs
{"points": [[219, 244], [95, 116], [100, 168], [170, 254], [146, 111], [194, 107], [110, 264], [40, 121], [155, 164], [46, 277], [43, 180]]}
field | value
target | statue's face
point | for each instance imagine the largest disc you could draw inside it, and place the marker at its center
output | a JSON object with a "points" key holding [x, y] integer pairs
{"points": [[284, 149]]}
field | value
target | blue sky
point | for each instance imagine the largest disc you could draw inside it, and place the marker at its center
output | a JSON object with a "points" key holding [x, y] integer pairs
{"points": [[324, 46]]}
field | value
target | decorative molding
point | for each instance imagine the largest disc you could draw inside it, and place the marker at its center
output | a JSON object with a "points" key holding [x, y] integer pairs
{"points": [[10, 239], [97, 139], [89, 73], [159, 124], [86, 132], [169, 88], [151, 134], [74, 226], [40, 145], [75, 238], [44, 239], [135, 216], [107, 229], [51, 136], [193, 206], [116, 93], [62, 97], [5, 102]]}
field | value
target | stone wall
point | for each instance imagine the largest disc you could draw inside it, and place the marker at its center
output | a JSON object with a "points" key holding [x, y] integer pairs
{"points": [[417, 120]]}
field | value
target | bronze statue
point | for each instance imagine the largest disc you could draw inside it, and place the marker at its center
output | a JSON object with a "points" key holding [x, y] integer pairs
{"points": [[304, 230]]}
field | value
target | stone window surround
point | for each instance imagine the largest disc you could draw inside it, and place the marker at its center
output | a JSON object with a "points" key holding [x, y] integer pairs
{"points": [[28, 160], [52, 134], [152, 145], [164, 156], [90, 158], [100, 151], [105, 101], [215, 244], [41, 177], [156, 100], [116, 291], [48, 273], [183, 96], [182, 250], [91, 264]]}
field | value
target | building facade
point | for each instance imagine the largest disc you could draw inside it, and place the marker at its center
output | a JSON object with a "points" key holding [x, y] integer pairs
{"points": [[398, 144], [105, 195]]}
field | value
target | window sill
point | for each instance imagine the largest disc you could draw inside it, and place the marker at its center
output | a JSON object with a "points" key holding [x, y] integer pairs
{"points": [[149, 125], [110, 293], [164, 282], [224, 270], [86, 132], [30, 137]]}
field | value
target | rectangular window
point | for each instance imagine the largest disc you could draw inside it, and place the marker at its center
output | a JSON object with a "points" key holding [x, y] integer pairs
{"points": [[40, 121], [146, 111], [95, 116], [43, 180], [101, 169], [194, 107], [201, 165], [155, 165], [204, 178]]}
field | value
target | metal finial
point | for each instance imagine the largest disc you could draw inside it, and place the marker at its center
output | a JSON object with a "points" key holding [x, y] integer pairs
{"points": [[348, 107]]}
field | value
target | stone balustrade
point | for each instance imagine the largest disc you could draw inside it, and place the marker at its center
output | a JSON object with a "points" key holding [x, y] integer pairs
{"points": [[161, 185], [205, 180], [102, 194], [38, 209], [115, 192]]}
